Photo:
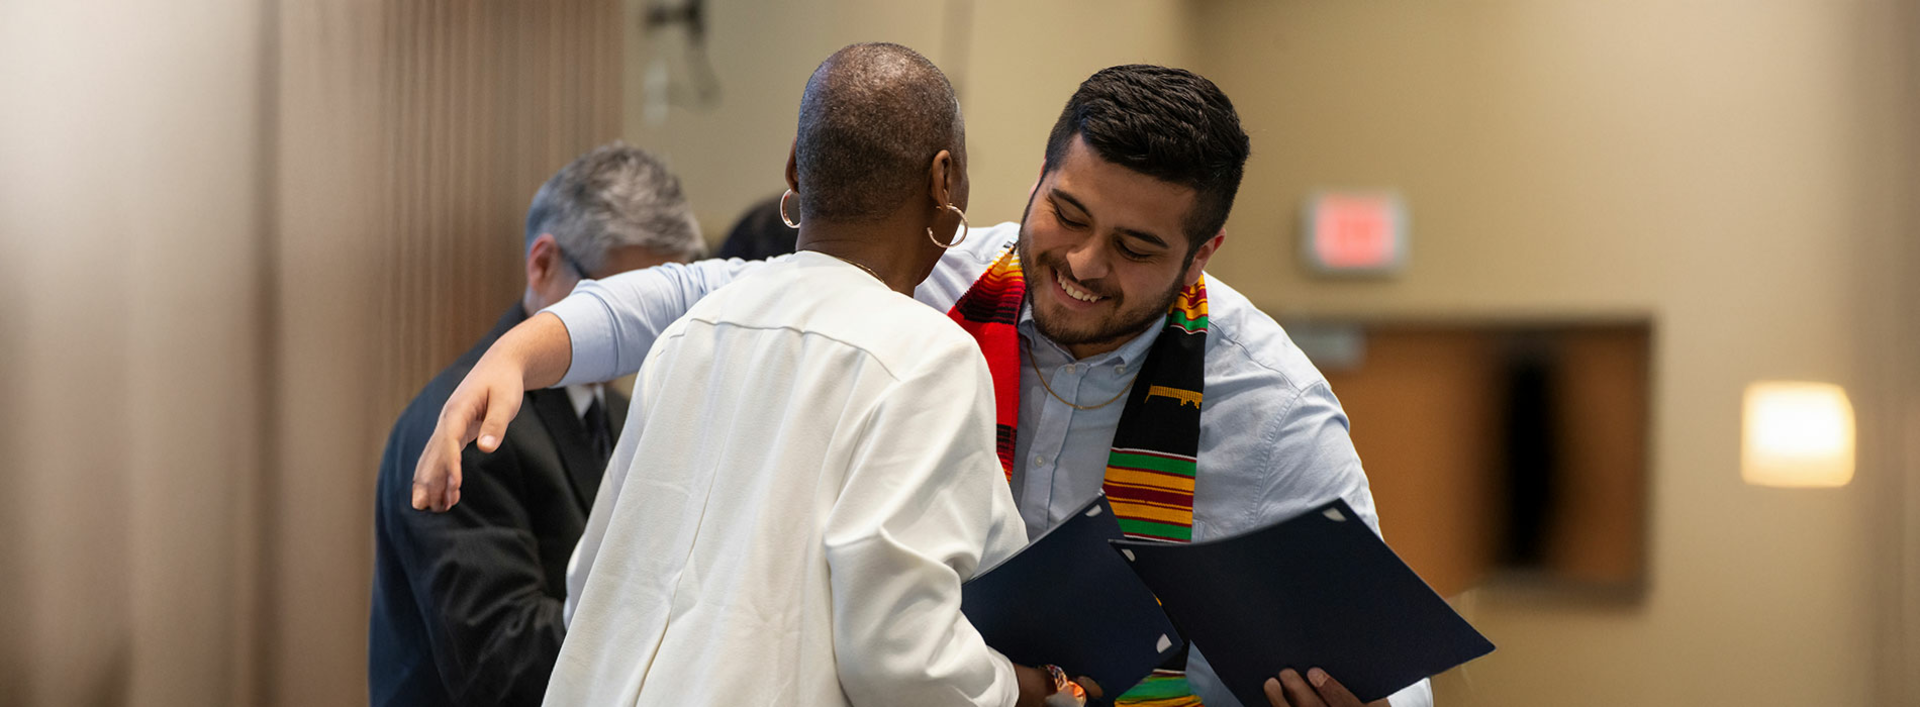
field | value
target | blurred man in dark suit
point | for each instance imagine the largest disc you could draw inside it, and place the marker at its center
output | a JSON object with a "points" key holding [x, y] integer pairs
{"points": [[467, 604]]}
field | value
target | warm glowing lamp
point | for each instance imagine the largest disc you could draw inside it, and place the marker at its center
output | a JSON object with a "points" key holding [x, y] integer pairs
{"points": [[1797, 435]]}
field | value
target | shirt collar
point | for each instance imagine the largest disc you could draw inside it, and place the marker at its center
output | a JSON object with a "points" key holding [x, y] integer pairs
{"points": [[1129, 354], [582, 397]]}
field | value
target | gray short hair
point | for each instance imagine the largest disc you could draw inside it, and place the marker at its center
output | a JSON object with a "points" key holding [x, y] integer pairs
{"points": [[615, 196]]}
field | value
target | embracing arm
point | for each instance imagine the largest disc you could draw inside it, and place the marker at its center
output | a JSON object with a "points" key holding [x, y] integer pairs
{"points": [[531, 355], [614, 321], [600, 332]]}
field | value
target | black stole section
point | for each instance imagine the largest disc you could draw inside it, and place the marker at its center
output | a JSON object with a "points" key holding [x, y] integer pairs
{"points": [[1159, 417], [1163, 408]]}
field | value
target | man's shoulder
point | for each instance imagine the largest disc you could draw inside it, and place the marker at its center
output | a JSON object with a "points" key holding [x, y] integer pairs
{"points": [[1244, 345], [415, 424], [983, 245], [424, 408], [411, 430], [1273, 434]]}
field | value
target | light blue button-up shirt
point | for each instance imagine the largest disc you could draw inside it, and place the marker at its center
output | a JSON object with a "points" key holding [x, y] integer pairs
{"points": [[1054, 436], [1273, 439]]}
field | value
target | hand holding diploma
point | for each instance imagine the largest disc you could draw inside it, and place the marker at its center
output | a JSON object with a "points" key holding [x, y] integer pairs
{"points": [[1317, 689], [1046, 687]]}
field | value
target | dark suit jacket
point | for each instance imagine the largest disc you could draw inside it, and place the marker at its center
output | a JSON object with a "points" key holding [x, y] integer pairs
{"points": [[467, 604]]}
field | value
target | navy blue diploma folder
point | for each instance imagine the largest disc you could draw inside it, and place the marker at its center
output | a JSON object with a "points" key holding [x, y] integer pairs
{"points": [[1319, 590], [1069, 600]]}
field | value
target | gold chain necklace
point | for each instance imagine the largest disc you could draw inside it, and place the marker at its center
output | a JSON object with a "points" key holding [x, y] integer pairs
{"points": [[1056, 396]]}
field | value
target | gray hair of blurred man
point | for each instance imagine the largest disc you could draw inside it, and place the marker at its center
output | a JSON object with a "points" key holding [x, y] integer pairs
{"points": [[615, 196]]}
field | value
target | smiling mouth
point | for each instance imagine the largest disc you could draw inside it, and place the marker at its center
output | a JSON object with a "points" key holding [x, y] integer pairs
{"points": [[1075, 292]]}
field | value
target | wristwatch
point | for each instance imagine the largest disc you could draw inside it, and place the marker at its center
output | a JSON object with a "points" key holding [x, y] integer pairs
{"points": [[1066, 693]]}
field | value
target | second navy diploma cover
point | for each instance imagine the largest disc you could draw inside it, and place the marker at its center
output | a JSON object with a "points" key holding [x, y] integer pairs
{"points": [[1319, 590]]}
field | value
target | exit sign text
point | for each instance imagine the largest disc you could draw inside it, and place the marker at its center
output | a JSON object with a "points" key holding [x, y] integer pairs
{"points": [[1355, 233]]}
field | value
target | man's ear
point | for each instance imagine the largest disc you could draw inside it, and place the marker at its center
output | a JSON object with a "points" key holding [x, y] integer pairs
{"points": [[1202, 255], [544, 263]]}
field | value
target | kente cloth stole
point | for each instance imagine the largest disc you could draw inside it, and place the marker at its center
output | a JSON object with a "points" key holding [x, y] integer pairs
{"points": [[1150, 469]]}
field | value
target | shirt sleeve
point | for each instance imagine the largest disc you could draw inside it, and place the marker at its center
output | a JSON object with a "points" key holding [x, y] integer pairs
{"points": [[1314, 461], [613, 322], [1311, 461], [923, 498]]}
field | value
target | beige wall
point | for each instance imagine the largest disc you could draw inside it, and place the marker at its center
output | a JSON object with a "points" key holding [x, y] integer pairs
{"points": [[1722, 166], [409, 138], [235, 237], [1014, 64]]}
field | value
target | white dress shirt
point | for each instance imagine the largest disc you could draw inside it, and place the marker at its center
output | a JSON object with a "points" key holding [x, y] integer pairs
{"points": [[584, 395], [806, 476]]}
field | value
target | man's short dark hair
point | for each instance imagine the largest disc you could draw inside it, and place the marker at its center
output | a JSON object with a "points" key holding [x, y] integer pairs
{"points": [[1169, 124], [871, 120]]}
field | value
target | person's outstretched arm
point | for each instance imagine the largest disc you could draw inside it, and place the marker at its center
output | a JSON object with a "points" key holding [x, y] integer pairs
{"points": [[600, 332]]}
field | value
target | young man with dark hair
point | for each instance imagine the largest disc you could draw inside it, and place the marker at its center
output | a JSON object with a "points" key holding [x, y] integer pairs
{"points": [[1118, 366]]}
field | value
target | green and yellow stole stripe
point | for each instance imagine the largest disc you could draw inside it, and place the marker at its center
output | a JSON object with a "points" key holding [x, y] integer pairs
{"points": [[1151, 467]]}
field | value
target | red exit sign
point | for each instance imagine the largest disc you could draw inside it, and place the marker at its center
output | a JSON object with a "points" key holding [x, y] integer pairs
{"points": [[1355, 233]]}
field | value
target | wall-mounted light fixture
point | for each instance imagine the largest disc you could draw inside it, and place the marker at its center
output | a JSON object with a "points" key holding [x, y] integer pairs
{"points": [[680, 73], [1797, 434]]}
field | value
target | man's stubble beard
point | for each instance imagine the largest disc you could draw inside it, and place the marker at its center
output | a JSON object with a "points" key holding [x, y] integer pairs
{"points": [[1134, 324]]}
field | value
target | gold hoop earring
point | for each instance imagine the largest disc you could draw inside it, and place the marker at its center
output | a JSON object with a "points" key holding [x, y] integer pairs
{"points": [[783, 210], [962, 231]]}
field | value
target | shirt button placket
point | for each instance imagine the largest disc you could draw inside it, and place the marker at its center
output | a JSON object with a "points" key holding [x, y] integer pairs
{"points": [[1057, 422]]}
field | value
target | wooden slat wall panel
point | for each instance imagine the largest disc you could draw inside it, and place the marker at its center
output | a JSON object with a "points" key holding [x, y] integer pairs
{"points": [[413, 133], [485, 101]]}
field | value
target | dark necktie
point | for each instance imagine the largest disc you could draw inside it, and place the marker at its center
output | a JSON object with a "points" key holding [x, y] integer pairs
{"points": [[599, 434]]}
